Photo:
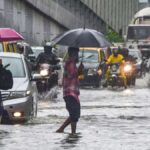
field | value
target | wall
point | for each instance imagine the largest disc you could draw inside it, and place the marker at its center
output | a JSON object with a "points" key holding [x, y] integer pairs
{"points": [[39, 20], [116, 13]]}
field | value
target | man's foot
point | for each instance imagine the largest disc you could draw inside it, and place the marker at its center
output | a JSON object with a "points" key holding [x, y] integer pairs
{"points": [[59, 131]]}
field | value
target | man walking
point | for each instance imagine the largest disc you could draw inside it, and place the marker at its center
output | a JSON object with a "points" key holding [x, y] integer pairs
{"points": [[71, 90]]}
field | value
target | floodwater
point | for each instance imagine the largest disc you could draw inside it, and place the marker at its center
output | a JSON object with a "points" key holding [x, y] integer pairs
{"points": [[111, 119]]}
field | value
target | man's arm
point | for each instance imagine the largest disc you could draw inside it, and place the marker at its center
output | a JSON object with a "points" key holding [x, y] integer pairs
{"points": [[109, 60]]}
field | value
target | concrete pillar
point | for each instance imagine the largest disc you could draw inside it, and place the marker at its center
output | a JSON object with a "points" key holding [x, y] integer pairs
{"points": [[2, 13]]}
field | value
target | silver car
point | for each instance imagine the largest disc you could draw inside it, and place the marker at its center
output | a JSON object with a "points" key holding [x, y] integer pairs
{"points": [[37, 50], [136, 53], [20, 102]]}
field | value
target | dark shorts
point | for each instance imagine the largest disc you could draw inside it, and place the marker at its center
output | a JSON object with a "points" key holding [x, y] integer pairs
{"points": [[73, 107]]}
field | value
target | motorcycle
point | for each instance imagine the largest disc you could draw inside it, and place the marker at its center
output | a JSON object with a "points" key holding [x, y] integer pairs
{"points": [[130, 73], [115, 78], [48, 82]]}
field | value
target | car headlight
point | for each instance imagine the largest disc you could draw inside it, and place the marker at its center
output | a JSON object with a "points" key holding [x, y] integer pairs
{"points": [[19, 94], [17, 114], [92, 71], [81, 77], [127, 68], [44, 72], [99, 72]]}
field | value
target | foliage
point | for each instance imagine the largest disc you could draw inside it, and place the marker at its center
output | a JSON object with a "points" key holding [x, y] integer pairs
{"points": [[113, 36]]}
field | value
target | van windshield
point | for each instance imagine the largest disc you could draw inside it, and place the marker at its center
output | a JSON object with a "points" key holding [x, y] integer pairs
{"points": [[138, 32], [88, 56], [16, 66]]}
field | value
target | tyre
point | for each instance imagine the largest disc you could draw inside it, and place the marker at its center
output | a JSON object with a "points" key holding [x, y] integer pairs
{"points": [[97, 85]]}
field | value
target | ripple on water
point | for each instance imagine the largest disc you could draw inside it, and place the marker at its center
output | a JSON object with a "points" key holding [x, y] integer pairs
{"points": [[134, 117]]}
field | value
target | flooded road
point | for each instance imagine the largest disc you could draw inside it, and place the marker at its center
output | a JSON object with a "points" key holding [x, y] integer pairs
{"points": [[110, 120]]}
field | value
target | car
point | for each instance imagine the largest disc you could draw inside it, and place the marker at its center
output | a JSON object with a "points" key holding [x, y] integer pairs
{"points": [[93, 60], [20, 102], [37, 50], [136, 53], [25, 49]]}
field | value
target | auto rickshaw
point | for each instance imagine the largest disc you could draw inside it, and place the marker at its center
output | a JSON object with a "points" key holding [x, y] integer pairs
{"points": [[9, 46]]}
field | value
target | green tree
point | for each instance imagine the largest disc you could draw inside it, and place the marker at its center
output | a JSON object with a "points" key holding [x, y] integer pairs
{"points": [[113, 36]]}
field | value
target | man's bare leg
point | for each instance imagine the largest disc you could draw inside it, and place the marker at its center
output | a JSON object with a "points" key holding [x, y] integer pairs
{"points": [[64, 125], [73, 127]]}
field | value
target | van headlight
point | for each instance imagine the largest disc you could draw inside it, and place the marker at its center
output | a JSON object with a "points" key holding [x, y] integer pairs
{"points": [[19, 94]]}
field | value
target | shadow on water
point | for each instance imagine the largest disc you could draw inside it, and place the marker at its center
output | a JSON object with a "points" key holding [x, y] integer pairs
{"points": [[70, 141], [3, 134]]}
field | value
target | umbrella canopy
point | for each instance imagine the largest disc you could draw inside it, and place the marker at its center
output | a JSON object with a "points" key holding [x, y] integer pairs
{"points": [[8, 34], [82, 38]]}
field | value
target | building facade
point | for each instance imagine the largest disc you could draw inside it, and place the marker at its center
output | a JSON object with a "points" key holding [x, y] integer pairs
{"points": [[116, 13], [39, 20]]}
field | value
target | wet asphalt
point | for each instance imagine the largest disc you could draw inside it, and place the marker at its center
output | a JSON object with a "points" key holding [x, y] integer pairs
{"points": [[111, 119]]}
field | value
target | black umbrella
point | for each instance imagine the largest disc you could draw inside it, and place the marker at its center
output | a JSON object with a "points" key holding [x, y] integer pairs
{"points": [[82, 38]]}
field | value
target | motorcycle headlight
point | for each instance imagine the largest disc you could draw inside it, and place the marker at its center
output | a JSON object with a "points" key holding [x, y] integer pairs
{"points": [[92, 71], [19, 94], [127, 68], [44, 72]]}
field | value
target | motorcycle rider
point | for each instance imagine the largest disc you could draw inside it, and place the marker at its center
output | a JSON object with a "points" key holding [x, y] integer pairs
{"points": [[132, 60], [127, 56], [115, 57], [48, 57]]}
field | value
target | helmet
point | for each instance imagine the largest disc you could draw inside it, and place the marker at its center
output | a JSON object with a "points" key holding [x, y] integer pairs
{"points": [[126, 52], [115, 51], [48, 44], [47, 49]]}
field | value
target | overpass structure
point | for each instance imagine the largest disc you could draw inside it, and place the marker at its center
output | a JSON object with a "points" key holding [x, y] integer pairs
{"points": [[39, 20]]}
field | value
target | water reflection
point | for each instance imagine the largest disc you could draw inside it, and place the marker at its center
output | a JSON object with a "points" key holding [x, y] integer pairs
{"points": [[3, 134], [70, 141]]}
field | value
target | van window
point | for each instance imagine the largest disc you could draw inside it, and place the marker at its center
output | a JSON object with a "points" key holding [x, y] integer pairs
{"points": [[138, 32]]}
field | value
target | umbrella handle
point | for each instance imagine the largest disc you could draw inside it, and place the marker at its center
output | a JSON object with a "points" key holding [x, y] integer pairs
{"points": [[82, 54]]}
